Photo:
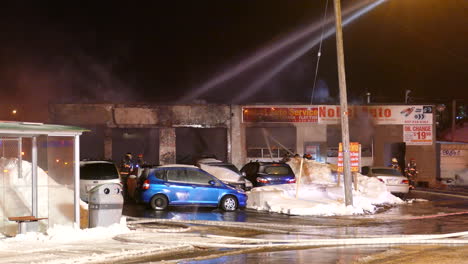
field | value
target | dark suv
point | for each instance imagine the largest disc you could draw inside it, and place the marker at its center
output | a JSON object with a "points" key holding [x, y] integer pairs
{"points": [[268, 173]]}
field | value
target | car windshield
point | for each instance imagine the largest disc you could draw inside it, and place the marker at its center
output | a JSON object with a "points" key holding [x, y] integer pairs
{"points": [[386, 172], [277, 170], [98, 171]]}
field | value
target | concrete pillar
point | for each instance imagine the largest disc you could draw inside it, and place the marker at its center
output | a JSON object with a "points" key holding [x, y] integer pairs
{"points": [[167, 146], [108, 144], [237, 151]]}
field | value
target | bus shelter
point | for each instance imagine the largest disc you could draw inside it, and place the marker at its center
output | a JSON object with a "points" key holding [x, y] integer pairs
{"points": [[39, 175]]}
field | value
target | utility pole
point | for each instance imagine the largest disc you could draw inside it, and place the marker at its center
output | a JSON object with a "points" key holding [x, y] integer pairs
{"points": [[454, 117], [407, 92], [343, 105]]}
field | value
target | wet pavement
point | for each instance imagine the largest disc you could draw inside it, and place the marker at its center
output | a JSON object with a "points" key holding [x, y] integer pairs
{"points": [[401, 219], [331, 255], [201, 235], [426, 212]]}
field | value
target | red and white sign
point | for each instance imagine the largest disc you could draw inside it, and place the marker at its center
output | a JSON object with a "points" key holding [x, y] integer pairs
{"points": [[417, 134], [380, 114], [354, 156], [279, 114]]}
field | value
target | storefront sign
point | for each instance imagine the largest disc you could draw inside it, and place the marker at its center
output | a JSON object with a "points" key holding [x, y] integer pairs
{"points": [[279, 114], [380, 114], [417, 134], [354, 156], [451, 152]]}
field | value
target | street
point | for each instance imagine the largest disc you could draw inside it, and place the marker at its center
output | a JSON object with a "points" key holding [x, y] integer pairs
{"points": [[424, 214]]}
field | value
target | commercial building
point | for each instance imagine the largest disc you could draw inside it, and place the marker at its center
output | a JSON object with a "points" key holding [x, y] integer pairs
{"points": [[181, 133]]}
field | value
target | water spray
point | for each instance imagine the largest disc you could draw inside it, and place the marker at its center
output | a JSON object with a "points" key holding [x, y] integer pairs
{"points": [[263, 54], [259, 83]]}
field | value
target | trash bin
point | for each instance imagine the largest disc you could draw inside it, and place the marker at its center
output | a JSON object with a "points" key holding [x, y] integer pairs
{"points": [[105, 204]]}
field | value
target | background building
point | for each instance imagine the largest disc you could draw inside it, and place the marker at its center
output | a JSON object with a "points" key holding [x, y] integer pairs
{"points": [[181, 133]]}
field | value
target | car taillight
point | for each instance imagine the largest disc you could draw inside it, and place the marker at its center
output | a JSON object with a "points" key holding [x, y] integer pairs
{"points": [[145, 185], [293, 180], [381, 180], [262, 180], [405, 181]]}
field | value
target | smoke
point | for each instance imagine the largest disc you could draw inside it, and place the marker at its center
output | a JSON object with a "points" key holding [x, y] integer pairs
{"points": [[52, 69], [322, 93], [75, 79], [362, 129]]}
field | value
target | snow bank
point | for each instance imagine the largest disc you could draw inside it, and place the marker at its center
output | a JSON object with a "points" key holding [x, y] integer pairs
{"points": [[221, 173], [62, 234], [312, 171], [319, 194]]}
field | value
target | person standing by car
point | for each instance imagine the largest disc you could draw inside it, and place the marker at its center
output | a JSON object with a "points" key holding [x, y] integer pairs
{"points": [[140, 162], [127, 167], [127, 164], [411, 172], [395, 164]]}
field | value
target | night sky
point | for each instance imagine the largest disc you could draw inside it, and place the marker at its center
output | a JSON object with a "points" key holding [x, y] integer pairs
{"points": [[160, 51]]}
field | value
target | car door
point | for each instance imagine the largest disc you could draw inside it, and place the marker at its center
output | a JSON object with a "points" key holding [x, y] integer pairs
{"points": [[178, 189], [203, 192]]}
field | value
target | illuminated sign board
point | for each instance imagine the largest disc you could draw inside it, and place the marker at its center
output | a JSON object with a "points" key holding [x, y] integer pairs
{"points": [[354, 157], [279, 114], [380, 114]]}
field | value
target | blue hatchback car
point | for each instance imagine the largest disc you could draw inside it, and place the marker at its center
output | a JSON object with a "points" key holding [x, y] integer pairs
{"points": [[172, 185]]}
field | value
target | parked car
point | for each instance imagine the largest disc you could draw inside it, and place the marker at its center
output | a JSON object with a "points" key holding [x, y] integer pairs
{"points": [[226, 172], [183, 185], [95, 172], [396, 183], [268, 173]]}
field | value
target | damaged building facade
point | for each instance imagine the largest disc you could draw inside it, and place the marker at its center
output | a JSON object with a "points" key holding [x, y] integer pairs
{"points": [[167, 134]]}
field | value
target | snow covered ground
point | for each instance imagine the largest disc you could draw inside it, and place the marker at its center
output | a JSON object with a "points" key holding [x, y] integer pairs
{"points": [[317, 193]]}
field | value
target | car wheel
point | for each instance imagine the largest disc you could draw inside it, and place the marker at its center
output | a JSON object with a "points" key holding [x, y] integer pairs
{"points": [[229, 203], [159, 202]]}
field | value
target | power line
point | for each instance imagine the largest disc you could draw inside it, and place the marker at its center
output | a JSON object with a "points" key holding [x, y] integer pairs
{"points": [[319, 53]]}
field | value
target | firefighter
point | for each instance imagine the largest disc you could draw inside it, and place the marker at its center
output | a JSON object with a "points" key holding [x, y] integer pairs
{"points": [[395, 164], [127, 164], [411, 172], [127, 167], [140, 162]]}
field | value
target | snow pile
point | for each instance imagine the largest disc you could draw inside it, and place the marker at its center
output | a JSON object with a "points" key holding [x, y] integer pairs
{"points": [[319, 195], [221, 173], [312, 171], [17, 189], [62, 234]]}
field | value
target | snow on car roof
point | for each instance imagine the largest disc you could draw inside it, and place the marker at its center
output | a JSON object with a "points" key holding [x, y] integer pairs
{"points": [[178, 165], [94, 161], [209, 160]]}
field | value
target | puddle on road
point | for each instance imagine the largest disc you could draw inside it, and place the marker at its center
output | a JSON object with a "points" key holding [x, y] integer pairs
{"points": [[327, 255]]}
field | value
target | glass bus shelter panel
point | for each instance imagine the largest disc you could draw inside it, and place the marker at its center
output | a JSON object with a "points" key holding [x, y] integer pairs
{"points": [[15, 183], [60, 151]]}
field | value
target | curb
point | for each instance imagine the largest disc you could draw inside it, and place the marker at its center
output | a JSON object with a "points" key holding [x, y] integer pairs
{"points": [[463, 195]]}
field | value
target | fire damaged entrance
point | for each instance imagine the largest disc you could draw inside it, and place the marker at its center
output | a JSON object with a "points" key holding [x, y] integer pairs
{"points": [[136, 141], [270, 142], [193, 143]]}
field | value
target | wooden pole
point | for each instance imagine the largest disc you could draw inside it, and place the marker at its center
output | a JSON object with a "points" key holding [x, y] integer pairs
{"points": [[298, 181], [343, 105], [454, 116]]}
